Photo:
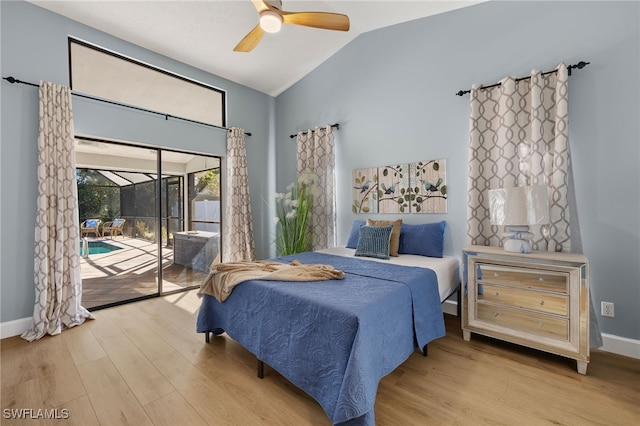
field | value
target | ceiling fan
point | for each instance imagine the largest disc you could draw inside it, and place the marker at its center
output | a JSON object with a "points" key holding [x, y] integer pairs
{"points": [[272, 17]]}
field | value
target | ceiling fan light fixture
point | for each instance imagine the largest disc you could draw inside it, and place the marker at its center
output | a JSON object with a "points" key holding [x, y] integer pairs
{"points": [[270, 21]]}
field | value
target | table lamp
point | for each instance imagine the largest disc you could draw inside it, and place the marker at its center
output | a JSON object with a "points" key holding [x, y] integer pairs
{"points": [[516, 209]]}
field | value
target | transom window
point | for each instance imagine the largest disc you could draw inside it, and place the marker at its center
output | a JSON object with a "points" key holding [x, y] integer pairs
{"points": [[106, 74]]}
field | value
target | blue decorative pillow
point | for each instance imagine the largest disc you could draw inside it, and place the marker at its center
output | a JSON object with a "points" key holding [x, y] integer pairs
{"points": [[424, 240], [117, 223], [352, 242], [91, 223], [374, 241]]}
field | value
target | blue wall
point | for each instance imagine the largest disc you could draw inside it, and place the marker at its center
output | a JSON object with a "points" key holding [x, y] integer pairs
{"points": [[392, 91], [34, 48]]}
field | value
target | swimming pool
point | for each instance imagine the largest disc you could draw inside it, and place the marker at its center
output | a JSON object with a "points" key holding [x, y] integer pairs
{"points": [[98, 247]]}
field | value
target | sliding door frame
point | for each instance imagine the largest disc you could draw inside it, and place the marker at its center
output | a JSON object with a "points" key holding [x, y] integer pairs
{"points": [[159, 199]]}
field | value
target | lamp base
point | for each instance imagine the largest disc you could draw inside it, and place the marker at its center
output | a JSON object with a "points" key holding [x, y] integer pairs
{"points": [[517, 239], [515, 245]]}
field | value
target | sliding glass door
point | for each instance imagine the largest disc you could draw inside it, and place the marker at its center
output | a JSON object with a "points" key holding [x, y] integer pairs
{"points": [[143, 202], [191, 217]]}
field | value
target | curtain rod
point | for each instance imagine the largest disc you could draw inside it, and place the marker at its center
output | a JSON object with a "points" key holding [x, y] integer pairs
{"points": [[336, 125], [165, 115], [579, 66]]}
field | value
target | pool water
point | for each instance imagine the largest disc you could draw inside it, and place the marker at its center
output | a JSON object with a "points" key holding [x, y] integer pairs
{"points": [[99, 247]]}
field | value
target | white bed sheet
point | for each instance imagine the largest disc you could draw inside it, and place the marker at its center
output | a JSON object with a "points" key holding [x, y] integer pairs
{"points": [[447, 268]]}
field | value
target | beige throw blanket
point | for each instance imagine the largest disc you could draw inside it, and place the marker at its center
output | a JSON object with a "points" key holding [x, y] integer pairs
{"points": [[223, 277]]}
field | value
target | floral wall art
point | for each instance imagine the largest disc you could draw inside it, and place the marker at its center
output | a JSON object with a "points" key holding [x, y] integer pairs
{"points": [[419, 187]]}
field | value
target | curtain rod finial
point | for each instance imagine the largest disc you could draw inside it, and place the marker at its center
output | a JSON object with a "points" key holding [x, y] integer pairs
{"points": [[579, 66]]}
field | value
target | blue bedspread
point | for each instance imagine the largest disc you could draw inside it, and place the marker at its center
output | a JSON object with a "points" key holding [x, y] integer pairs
{"points": [[333, 339]]}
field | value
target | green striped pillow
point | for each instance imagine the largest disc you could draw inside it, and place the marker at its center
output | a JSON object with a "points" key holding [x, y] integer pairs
{"points": [[374, 241]]}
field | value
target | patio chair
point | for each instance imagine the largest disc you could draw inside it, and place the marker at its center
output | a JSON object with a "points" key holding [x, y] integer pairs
{"points": [[113, 227], [90, 226]]}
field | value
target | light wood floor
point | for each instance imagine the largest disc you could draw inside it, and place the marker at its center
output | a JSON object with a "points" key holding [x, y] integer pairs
{"points": [[143, 364]]}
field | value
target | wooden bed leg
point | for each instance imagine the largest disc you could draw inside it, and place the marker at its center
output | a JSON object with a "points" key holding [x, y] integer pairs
{"points": [[206, 337], [260, 369], [425, 351]]}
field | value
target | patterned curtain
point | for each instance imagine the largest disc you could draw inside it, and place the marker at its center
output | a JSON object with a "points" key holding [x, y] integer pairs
{"points": [[316, 157], [518, 137], [57, 274], [237, 238]]}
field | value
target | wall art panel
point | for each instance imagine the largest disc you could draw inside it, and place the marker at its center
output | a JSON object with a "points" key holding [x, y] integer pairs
{"points": [[365, 184], [393, 184], [419, 187], [429, 186]]}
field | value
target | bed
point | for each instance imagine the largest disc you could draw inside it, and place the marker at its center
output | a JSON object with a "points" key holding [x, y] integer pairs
{"points": [[336, 339]]}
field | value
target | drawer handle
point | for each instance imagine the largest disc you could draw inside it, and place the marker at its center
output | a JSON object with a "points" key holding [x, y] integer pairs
{"points": [[496, 314], [496, 274], [497, 293], [541, 279], [542, 303], [541, 324]]}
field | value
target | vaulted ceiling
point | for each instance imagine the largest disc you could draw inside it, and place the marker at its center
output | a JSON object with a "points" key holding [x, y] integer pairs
{"points": [[204, 33]]}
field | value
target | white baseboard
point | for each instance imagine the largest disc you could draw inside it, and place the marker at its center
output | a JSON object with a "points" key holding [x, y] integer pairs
{"points": [[621, 345], [450, 307], [15, 327]]}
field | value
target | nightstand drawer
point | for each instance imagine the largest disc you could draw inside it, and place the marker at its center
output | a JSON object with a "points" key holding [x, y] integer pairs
{"points": [[522, 298], [543, 325], [536, 279]]}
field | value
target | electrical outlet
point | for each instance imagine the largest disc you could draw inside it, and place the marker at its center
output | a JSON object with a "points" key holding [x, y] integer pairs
{"points": [[606, 309]]}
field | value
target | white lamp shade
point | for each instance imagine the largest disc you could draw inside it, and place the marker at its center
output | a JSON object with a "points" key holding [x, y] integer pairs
{"points": [[519, 206]]}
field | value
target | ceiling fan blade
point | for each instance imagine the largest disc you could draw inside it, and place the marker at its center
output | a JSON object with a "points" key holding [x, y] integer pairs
{"points": [[260, 5], [325, 20], [251, 40]]}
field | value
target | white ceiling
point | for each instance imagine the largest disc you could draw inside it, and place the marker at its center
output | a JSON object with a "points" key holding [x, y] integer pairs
{"points": [[204, 33]]}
